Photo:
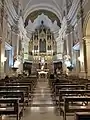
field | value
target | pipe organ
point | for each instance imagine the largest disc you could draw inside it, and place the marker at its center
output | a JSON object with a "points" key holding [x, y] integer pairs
{"points": [[42, 45]]}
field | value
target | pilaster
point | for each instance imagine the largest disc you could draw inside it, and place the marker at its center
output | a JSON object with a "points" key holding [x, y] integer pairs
{"points": [[3, 28], [68, 41], [87, 43]]}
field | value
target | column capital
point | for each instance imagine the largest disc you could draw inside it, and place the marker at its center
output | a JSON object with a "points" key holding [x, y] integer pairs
{"points": [[67, 31], [15, 29], [87, 39]]}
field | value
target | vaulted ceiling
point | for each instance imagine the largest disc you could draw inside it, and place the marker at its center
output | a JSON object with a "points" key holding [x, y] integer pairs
{"points": [[54, 6], [32, 16], [46, 10]]}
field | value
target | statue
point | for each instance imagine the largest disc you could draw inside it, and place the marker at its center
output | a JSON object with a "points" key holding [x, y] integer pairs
{"points": [[42, 63]]}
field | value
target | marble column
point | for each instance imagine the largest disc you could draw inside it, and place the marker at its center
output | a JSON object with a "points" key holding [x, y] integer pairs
{"points": [[83, 67], [87, 41], [14, 43], [68, 42], [15, 39], [0, 39], [77, 63], [3, 28], [74, 55], [72, 39], [6, 63]]}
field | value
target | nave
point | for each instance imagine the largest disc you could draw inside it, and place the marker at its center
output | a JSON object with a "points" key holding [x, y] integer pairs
{"points": [[43, 106], [62, 98]]}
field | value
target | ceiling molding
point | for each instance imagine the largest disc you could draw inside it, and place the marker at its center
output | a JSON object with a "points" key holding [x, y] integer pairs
{"points": [[47, 22], [40, 7], [37, 13]]}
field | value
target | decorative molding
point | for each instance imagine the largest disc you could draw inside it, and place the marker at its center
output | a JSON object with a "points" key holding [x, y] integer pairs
{"points": [[87, 40], [0, 3], [73, 9], [42, 6], [11, 13], [47, 22], [11, 10], [87, 37]]}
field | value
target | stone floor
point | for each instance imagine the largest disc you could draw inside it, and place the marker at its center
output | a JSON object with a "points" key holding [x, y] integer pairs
{"points": [[42, 106]]}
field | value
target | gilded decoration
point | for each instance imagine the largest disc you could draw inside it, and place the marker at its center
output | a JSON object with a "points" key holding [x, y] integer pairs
{"points": [[41, 45]]}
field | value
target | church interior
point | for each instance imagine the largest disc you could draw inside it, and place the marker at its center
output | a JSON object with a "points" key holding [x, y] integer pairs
{"points": [[44, 59]]}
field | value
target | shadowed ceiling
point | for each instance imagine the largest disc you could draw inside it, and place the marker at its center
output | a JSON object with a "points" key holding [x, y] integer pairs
{"points": [[32, 16]]}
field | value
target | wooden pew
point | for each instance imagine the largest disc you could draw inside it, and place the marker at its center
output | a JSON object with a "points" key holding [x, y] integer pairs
{"points": [[19, 88], [66, 87], [33, 80], [14, 94], [60, 82], [69, 107], [82, 116], [27, 82], [69, 86], [65, 93], [57, 84], [11, 110], [88, 86], [20, 84]]}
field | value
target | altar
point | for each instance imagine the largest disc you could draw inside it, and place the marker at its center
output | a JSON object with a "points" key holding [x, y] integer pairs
{"points": [[42, 74]]}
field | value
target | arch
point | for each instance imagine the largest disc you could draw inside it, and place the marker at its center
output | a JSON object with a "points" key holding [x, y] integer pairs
{"points": [[40, 7], [88, 28], [87, 41], [86, 25]]}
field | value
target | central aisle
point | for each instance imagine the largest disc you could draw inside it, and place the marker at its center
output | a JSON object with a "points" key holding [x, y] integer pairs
{"points": [[42, 96], [42, 107]]}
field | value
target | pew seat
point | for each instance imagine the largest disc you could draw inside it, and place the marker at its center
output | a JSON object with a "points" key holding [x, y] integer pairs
{"points": [[65, 87], [82, 116], [75, 104], [18, 88], [11, 110]]}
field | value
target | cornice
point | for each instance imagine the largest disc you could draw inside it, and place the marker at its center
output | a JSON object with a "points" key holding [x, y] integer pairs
{"points": [[10, 9], [0, 3], [42, 6], [63, 26], [73, 9], [86, 37], [72, 15]]}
